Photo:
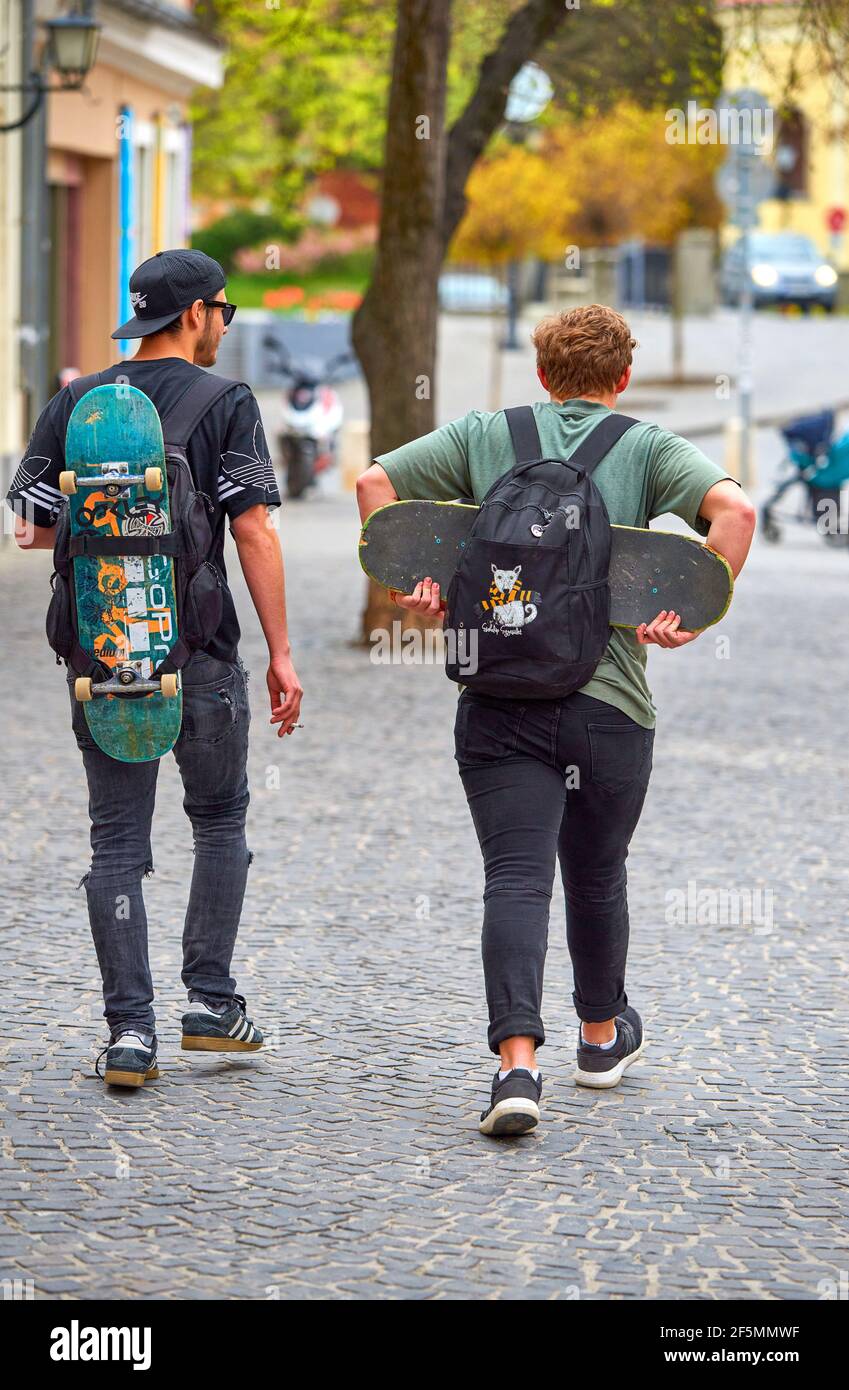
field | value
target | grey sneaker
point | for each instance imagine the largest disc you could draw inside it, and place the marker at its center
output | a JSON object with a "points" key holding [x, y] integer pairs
{"points": [[130, 1060], [227, 1030], [603, 1068], [514, 1107]]}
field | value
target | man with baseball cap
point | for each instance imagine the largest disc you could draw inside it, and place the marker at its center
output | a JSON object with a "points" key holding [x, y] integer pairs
{"points": [[168, 283], [180, 315]]}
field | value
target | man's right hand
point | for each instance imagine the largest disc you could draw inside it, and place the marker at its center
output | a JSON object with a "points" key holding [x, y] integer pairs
{"points": [[425, 600], [285, 692]]}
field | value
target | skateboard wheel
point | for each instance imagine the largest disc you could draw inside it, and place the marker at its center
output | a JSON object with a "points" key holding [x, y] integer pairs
{"points": [[168, 685], [82, 688], [153, 479], [68, 483]]}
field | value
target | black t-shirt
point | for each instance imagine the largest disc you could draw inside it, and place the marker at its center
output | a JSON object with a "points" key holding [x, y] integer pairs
{"points": [[227, 453]]}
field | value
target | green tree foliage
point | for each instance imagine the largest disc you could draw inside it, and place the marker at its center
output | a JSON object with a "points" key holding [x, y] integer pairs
{"points": [[306, 83], [223, 238], [666, 52], [305, 89]]}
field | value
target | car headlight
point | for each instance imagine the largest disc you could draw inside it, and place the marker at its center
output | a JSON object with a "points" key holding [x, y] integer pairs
{"points": [[826, 276], [765, 276]]}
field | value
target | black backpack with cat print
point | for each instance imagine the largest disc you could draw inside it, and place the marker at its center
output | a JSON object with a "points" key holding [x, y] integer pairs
{"points": [[528, 607]]}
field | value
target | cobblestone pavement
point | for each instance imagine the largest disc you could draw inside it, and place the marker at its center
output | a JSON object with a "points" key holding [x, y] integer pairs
{"points": [[344, 1161]]}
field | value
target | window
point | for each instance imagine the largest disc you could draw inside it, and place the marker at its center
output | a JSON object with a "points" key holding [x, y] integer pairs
{"points": [[791, 155]]}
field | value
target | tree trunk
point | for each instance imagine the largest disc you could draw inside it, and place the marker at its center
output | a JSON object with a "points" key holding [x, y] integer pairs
{"points": [[423, 200], [394, 329]]}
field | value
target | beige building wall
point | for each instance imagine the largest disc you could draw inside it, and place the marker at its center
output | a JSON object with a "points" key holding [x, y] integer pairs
{"points": [[11, 406], [762, 65], [83, 146], [152, 69]]}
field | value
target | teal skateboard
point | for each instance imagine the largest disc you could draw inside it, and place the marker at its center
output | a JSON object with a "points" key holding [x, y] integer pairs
{"points": [[116, 485], [404, 542]]}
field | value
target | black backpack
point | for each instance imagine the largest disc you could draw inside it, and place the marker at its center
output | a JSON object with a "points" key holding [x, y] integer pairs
{"points": [[198, 583], [532, 585]]}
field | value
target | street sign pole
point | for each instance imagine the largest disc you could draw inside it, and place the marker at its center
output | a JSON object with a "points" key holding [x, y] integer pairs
{"points": [[744, 364], [743, 182]]}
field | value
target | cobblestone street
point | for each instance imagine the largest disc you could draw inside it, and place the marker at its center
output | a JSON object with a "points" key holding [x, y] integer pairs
{"points": [[344, 1161]]}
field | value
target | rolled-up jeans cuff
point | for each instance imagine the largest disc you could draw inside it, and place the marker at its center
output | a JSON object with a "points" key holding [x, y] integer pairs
{"points": [[515, 1026], [600, 1013]]}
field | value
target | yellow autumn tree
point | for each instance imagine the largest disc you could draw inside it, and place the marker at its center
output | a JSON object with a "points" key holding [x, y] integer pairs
{"points": [[625, 180], [514, 210], [593, 182]]}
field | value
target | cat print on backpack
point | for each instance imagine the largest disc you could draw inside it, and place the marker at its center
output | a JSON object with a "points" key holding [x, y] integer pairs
{"points": [[508, 604]]}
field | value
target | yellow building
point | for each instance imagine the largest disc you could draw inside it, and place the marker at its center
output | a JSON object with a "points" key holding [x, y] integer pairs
{"points": [[762, 39]]}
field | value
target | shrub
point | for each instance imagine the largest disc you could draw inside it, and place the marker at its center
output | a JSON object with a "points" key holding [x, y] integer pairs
{"points": [[236, 230]]}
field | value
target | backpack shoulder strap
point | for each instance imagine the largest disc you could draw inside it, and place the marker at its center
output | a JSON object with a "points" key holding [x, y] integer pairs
{"points": [[524, 433], [588, 455], [78, 387], [184, 417], [597, 445]]}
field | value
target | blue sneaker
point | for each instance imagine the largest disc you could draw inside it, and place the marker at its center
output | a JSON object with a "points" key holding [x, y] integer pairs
{"points": [[604, 1067], [130, 1060], [227, 1030]]}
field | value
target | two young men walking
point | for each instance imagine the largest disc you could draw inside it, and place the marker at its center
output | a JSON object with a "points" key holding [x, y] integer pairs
{"points": [[547, 780]]}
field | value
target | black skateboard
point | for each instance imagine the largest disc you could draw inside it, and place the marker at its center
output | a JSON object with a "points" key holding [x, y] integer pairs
{"points": [[649, 571]]}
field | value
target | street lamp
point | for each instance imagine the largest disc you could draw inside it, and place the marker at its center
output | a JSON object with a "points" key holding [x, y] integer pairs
{"points": [[70, 51], [72, 48]]}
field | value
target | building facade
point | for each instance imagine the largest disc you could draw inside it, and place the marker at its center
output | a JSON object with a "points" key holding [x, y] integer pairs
{"points": [[97, 181], [118, 168], [811, 121]]}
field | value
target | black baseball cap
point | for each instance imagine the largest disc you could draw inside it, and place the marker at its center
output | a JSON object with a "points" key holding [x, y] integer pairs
{"points": [[161, 288]]}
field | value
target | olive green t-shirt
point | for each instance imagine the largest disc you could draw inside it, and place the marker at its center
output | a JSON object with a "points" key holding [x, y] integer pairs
{"points": [[648, 472]]}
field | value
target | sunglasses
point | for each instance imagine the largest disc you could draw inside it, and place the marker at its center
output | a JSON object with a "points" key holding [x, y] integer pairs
{"points": [[227, 310]]}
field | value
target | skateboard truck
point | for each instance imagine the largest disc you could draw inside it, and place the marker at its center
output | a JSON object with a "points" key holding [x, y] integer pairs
{"points": [[114, 479], [124, 681]]}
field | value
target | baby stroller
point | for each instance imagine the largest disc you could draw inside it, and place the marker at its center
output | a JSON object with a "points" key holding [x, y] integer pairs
{"points": [[821, 465]]}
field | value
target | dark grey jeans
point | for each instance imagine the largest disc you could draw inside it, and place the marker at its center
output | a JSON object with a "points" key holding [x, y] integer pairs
{"points": [[552, 780], [211, 754]]}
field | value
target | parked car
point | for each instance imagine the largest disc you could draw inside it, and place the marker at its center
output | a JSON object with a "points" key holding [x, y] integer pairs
{"points": [[784, 268], [466, 292]]}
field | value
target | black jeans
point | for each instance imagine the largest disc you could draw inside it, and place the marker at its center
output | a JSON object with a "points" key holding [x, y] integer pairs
{"points": [[211, 755], [547, 780]]}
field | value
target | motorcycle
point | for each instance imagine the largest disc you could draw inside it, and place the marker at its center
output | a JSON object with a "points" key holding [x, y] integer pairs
{"points": [[311, 416]]}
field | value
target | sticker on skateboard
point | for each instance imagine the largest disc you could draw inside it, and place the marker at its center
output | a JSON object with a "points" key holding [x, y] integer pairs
{"points": [[404, 542], [116, 485]]}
